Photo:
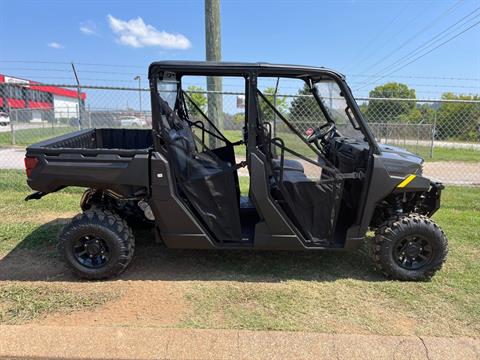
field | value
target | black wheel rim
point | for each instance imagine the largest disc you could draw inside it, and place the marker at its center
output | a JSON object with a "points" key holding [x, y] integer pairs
{"points": [[413, 252], [91, 251]]}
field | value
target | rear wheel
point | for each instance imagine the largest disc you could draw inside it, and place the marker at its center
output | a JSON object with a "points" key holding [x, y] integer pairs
{"points": [[97, 244], [409, 247]]}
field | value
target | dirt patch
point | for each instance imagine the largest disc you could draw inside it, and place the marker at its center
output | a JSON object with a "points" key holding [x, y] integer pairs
{"points": [[40, 217], [144, 303], [53, 218], [453, 172], [43, 265]]}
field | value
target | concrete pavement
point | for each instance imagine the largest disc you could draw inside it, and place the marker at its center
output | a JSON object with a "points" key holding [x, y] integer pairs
{"points": [[46, 342], [437, 144], [12, 158]]}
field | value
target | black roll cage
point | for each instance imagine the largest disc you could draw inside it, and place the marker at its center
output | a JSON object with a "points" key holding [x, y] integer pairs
{"points": [[252, 71]]}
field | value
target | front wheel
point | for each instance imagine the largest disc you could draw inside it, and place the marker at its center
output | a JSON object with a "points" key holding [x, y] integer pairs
{"points": [[409, 247], [97, 244]]}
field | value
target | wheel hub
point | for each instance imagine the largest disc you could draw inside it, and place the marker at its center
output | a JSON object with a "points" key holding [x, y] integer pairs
{"points": [[413, 252], [91, 251], [93, 247]]}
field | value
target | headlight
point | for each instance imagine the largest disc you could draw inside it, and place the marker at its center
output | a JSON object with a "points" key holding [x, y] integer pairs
{"points": [[420, 170]]}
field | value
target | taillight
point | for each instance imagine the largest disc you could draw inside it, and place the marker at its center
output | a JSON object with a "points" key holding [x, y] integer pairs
{"points": [[30, 164]]}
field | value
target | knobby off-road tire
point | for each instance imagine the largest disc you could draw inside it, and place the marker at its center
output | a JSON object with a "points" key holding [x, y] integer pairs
{"points": [[97, 244], [410, 248]]}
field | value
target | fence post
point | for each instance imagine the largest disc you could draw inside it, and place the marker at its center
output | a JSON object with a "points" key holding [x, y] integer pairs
{"points": [[79, 95], [274, 127], [78, 118], [12, 128], [434, 130], [418, 135], [89, 117]]}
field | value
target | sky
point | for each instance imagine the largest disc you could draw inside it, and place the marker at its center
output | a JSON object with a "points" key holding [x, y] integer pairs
{"points": [[113, 41]]}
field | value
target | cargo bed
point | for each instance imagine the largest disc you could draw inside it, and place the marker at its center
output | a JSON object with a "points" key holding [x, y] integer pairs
{"points": [[94, 158]]}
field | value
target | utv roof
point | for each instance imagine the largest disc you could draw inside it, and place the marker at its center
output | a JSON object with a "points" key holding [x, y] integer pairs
{"points": [[238, 68]]}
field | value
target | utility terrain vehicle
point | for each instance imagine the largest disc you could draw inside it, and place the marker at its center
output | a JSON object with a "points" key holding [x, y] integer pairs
{"points": [[319, 191]]}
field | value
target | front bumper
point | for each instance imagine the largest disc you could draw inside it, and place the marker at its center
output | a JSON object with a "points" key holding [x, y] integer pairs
{"points": [[431, 200]]}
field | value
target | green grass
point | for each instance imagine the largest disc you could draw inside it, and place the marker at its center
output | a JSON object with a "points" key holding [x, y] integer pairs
{"points": [[327, 291], [16, 180], [20, 219], [331, 292], [27, 137], [21, 302], [439, 153], [446, 154]]}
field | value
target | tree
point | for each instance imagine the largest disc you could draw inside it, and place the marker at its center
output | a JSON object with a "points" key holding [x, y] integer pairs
{"points": [[459, 120], [390, 110], [239, 119], [421, 113], [197, 94], [305, 109], [280, 104]]}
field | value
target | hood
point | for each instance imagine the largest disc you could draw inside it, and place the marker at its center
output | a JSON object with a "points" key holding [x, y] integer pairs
{"points": [[400, 162], [407, 155]]}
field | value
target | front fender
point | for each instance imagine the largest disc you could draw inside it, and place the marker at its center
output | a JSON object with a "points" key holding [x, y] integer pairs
{"points": [[412, 183]]}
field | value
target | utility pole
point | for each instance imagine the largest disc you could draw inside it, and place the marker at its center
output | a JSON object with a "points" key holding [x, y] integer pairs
{"points": [[213, 53]]}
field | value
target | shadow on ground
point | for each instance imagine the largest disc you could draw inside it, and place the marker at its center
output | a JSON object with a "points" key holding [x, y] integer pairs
{"points": [[36, 259]]}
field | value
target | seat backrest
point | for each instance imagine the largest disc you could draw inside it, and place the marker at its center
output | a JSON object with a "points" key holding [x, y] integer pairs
{"points": [[178, 148], [179, 137]]}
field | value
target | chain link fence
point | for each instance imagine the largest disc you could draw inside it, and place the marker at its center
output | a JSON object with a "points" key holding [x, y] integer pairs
{"points": [[446, 133]]}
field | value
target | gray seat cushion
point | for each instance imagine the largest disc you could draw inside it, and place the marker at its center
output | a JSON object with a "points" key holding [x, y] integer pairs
{"points": [[288, 165]]}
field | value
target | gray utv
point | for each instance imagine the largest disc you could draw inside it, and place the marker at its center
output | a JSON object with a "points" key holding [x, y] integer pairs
{"points": [[319, 191]]}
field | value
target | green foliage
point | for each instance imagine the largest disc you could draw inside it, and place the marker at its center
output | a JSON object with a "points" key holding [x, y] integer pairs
{"points": [[459, 121], [280, 103], [197, 94], [388, 110], [363, 108], [239, 118], [305, 109]]}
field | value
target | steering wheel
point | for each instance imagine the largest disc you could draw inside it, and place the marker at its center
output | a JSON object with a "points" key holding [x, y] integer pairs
{"points": [[321, 134]]}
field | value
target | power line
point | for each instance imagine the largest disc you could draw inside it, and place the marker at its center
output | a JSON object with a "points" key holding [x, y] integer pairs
{"points": [[69, 71], [459, 78], [428, 52], [360, 59], [83, 79], [434, 85], [425, 28], [430, 42], [35, 62], [68, 63], [419, 77], [112, 65]]}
